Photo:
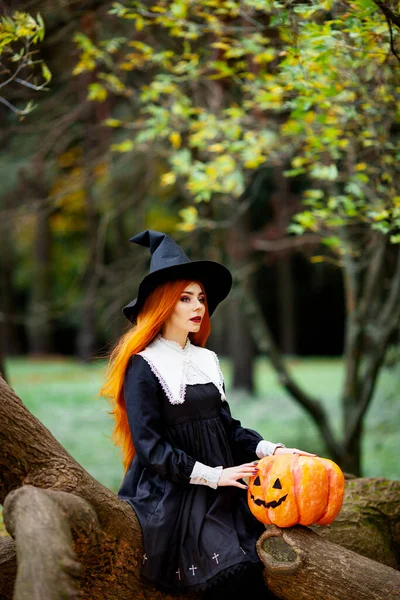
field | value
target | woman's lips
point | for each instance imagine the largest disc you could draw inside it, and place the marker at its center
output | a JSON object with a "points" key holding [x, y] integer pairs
{"points": [[196, 319]]}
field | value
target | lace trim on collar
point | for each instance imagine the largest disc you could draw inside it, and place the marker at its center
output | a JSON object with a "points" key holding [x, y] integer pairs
{"points": [[175, 345], [184, 366], [165, 386]]}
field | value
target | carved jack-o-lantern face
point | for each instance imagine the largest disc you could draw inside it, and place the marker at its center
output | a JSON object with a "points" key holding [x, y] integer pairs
{"points": [[272, 503], [291, 489]]}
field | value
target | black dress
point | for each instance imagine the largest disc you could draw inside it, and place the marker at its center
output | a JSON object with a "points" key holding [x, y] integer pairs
{"points": [[193, 535]]}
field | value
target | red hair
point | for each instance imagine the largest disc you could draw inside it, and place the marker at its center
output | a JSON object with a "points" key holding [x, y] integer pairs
{"points": [[158, 307]]}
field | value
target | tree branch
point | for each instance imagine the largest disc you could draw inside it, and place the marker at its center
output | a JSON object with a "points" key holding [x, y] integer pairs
{"points": [[391, 18], [388, 12], [43, 538], [287, 243], [300, 565], [355, 416]]}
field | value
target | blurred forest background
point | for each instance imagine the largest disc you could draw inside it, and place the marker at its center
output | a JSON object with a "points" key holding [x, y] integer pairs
{"points": [[264, 135]]}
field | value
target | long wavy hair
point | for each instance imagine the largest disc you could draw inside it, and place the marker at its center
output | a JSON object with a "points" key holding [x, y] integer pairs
{"points": [[157, 308]]}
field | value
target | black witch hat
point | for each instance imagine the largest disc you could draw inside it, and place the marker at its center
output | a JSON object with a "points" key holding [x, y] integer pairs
{"points": [[168, 262]]}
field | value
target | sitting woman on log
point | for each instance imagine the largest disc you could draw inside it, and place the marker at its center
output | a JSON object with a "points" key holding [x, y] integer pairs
{"points": [[184, 454]]}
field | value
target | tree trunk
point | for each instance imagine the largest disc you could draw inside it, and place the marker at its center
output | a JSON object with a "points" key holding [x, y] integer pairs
{"points": [[300, 565], [285, 303], [285, 288], [242, 348], [29, 455], [350, 461], [39, 325], [372, 288], [86, 341], [39, 316], [8, 303]]}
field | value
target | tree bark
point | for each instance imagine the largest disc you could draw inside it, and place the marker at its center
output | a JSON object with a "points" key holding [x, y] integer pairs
{"points": [[39, 522], [8, 567], [300, 565], [369, 522], [29, 455]]}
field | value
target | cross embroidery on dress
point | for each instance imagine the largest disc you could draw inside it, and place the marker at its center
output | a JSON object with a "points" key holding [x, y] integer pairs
{"points": [[144, 558], [215, 557], [178, 572], [193, 568]]}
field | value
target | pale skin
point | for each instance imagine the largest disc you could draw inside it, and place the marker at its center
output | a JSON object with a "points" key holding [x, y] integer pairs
{"points": [[177, 328]]}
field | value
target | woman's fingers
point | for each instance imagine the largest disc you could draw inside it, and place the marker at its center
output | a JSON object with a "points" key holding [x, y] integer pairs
{"points": [[235, 483], [240, 485], [245, 474], [230, 475]]}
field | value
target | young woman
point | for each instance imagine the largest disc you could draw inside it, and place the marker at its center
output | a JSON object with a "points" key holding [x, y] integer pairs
{"points": [[184, 455]]}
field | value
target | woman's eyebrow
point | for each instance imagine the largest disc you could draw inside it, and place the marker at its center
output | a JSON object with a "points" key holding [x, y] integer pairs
{"points": [[192, 293]]}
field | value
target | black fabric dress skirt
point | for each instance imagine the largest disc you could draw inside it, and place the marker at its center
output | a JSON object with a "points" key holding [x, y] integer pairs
{"points": [[193, 535]]}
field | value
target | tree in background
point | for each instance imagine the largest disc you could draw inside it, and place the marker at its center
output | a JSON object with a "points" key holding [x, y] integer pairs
{"points": [[217, 89], [19, 64]]}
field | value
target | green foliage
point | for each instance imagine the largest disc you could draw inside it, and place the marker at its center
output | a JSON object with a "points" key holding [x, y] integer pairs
{"points": [[17, 36], [226, 86]]}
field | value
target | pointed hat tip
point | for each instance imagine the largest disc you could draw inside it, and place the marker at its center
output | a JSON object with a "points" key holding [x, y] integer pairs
{"points": [[149, 239], [142, 238]]}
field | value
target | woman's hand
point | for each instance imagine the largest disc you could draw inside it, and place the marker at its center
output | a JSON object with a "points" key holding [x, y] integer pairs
{"points": [[231, 475], [280, 450]]}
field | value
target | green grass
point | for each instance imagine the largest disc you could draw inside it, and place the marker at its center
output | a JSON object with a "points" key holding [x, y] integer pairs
{"points": [[63, 396]]}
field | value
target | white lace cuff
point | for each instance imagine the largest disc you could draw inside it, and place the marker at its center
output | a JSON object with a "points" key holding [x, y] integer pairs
{"points": [[265, 448], [205, 475]]}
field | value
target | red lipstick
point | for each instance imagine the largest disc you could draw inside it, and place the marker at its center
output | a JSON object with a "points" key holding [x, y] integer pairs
{"points": [[196, 319]]}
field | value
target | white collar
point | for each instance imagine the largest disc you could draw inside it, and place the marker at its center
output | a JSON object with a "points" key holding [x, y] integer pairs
{"points": [[176, 367]]}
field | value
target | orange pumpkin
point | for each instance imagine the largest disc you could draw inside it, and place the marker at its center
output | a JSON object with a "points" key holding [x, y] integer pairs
{"points": [[291, 489]]}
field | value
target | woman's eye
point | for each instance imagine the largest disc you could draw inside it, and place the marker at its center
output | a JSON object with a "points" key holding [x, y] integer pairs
{"points": [[184, 298]]}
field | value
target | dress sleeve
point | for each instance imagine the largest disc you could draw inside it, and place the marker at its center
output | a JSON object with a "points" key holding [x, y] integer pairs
{"points": [[243, 441], [246, 444], [145, 423]]}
